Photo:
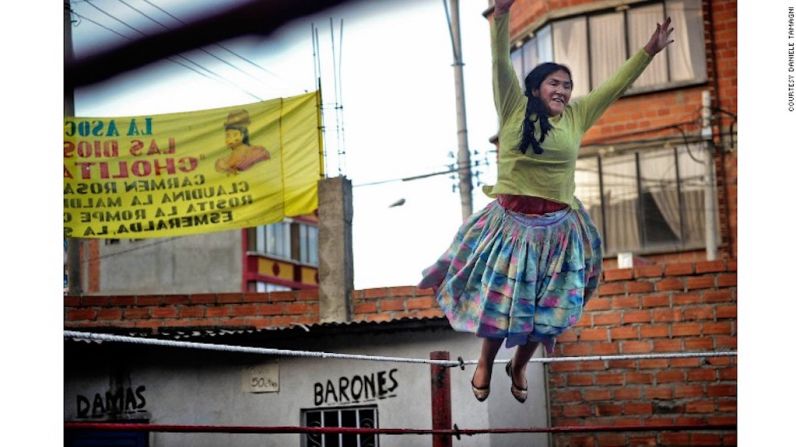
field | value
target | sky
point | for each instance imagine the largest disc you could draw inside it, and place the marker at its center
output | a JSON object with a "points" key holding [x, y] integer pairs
{"points": [[396, 86], [396, 65]]}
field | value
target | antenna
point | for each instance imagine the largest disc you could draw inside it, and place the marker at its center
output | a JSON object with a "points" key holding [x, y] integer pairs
{"points": [[338, 105], [316, 66], [340, 91], [334, 83]]}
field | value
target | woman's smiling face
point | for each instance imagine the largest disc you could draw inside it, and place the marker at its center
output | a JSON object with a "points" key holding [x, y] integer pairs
{"points": [[555, 91]]}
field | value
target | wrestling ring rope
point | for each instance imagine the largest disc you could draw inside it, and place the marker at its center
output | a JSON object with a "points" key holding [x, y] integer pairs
{"points": [[443, 431]]}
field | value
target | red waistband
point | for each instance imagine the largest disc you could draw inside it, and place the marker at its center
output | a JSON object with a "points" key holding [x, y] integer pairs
{"points": [[529, 204]]}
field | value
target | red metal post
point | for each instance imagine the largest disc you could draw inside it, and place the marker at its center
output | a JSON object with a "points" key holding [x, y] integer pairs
{"points": [[441, 400]]}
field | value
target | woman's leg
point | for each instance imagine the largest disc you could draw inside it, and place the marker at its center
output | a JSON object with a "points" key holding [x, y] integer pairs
{"points": [[521, 357], [483, 371]]}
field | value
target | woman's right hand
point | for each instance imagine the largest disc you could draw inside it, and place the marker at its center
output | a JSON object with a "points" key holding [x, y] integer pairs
{"points": [[502, 6]]}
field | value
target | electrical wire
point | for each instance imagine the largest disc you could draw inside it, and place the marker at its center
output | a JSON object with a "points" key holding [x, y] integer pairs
{"points": [[224, 47], [216, 75], [461, 168], [135, 248], [170, 59], [214, 56]]}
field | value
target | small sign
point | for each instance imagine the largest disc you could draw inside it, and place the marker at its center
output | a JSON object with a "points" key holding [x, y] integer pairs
{"points": [[625, 260], [260, 379]]}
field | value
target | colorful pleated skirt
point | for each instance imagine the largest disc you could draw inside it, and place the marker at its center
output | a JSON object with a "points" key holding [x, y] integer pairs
{"points": [[518, 277]]}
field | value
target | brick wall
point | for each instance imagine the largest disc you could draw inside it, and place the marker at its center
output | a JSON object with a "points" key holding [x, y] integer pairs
{"points": [[724, 31], [676, 307], [388, 303], [229, 310]]}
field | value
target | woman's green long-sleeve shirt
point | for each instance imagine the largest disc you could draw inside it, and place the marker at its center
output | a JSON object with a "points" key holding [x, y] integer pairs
{"points": [[550, 175]]}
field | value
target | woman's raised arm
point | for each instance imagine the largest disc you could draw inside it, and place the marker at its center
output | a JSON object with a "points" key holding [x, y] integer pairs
{"points": [[505, 85]]}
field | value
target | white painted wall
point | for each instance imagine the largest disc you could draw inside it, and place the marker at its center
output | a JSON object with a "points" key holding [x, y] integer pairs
{"points": [[197, 387]]}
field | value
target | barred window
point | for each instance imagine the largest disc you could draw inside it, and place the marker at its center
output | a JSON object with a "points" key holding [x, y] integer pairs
{"points": [[358, 417]]}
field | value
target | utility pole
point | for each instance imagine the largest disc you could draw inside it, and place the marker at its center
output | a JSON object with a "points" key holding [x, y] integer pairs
{"points": [[74, 285], [463, 157], [710, 178]]}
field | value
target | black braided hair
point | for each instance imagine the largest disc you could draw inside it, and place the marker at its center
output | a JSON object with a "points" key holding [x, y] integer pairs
{"points": [[535, 111]]}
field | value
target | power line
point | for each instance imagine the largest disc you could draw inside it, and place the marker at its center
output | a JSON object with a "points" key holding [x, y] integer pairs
{"points": [[220, 45], [170, 59], [98, 24], [136, 248], [200, 49], [88, 2], [420, 176], [216, 75]]}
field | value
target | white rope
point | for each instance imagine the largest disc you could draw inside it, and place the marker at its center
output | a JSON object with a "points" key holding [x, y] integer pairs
{"points": [[90, 336]]}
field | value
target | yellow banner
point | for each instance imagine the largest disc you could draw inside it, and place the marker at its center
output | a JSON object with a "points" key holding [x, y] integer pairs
{"points": [[188, 173]]}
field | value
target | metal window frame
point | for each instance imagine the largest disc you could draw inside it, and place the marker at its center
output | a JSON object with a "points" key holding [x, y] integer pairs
{"points": [[339, 411], [644, 246], [287, 228], [587, 16]]}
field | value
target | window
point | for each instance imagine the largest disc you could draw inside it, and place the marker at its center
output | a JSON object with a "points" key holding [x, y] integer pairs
{"points": [[359, 417], [308, 243], [274, 239], [264, 287], [289, 240], [593, 46], [647, 200], [535, 51]]}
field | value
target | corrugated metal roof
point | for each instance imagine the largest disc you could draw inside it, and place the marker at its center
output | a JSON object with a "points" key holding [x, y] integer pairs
{"points": [[220, 332]]}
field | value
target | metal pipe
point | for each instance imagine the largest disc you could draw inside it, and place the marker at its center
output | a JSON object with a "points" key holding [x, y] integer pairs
{"points": [[441, 418], [166, 428], [710, 180]]}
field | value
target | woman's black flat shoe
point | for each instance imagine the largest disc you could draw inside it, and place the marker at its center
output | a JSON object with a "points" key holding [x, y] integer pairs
{"points": [[519, 393], [480, 393]]}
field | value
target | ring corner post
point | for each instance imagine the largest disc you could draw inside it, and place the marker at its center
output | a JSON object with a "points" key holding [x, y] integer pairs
{"points": [[441, 418]]}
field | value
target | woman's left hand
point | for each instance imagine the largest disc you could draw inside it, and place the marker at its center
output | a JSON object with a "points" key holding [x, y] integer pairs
{"points": [[660, 38]]}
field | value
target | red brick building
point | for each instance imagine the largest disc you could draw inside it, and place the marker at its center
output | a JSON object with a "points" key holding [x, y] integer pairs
{"points": [[643, 168], [673, 299], [679, 118]]}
